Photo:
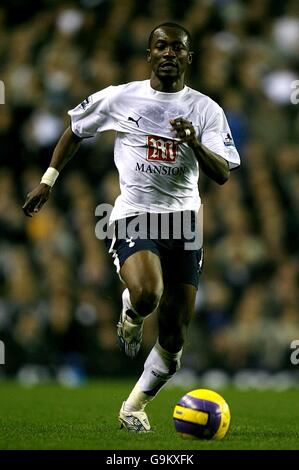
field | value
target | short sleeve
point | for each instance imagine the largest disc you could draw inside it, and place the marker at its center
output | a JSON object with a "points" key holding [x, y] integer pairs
{"points": [[217, 136], [92, 115]]}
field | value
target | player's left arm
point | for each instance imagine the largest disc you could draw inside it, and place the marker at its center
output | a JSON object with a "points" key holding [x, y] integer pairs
{"points": [[212, 164]]}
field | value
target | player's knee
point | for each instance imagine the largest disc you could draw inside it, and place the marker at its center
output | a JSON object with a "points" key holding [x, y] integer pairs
{"points": [[145, 299]]}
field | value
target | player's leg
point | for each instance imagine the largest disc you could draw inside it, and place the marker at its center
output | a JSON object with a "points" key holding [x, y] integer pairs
{"points": [[142, 275], [174, 314], [181, 269]]}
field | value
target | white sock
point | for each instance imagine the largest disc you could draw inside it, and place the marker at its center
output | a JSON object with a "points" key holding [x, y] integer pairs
{"points": [[159, 367]]}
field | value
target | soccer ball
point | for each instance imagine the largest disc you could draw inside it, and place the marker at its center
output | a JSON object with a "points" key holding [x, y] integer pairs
{"points": [[202, 414]]}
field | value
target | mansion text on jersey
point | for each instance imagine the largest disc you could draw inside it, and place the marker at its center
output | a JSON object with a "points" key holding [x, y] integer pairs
{"points": [[160, 169]]}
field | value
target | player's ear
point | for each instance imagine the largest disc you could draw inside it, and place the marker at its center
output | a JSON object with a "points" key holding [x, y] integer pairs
{"points": [[190, 57], [148, 55]]}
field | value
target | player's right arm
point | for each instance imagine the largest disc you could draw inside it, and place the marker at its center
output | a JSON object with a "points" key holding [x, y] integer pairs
{"points": [[65, 149], [88, 118]]}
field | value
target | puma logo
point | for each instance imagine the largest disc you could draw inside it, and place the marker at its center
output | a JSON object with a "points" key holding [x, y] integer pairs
{"points": [[134, 120]]}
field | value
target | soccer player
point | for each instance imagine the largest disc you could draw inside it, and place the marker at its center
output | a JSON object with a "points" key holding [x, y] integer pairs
{"points": [[165, 133]]}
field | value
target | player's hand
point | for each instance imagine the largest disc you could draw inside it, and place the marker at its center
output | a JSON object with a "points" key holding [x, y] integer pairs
{"points": [[184, 130], [36, 199]]}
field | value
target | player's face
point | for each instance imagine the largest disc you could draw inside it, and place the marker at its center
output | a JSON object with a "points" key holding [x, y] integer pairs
{"points": [[169, 53]]}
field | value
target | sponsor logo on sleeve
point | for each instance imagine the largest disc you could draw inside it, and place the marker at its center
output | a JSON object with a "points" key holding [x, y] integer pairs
{"points": [[227, 139], [86, 103]]}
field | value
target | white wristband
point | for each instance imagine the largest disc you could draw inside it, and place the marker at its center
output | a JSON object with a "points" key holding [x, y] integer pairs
{"points": [[50, 176]]}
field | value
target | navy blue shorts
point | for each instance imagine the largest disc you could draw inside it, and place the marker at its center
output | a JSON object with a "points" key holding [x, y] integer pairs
{"points": [[181, 258]]}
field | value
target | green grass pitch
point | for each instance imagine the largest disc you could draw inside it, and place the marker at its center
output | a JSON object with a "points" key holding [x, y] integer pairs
{"points": [[52, 417]]}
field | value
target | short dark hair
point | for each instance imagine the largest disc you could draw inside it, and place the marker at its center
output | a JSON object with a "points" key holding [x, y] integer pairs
{"points": [[170, 25]]}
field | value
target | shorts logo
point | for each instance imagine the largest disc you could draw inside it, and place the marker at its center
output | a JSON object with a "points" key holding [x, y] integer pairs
{"points": [[130, 242], [161, 149]]}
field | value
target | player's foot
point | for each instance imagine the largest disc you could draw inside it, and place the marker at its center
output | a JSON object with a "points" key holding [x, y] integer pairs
{"points": [[133, 421], [129, 331]]}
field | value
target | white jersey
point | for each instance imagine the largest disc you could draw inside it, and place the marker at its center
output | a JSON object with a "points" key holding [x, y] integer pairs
{"points": [[158, 172]]}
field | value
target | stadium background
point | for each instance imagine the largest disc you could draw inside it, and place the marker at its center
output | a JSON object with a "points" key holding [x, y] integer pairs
{"points": [[60, 296]]}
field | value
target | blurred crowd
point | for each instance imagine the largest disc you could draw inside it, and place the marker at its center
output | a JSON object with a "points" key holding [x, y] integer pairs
{"points": [[60, 296]]}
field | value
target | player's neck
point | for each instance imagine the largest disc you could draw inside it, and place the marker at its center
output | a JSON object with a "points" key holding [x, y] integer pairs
{"points": [[166, 86]]}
